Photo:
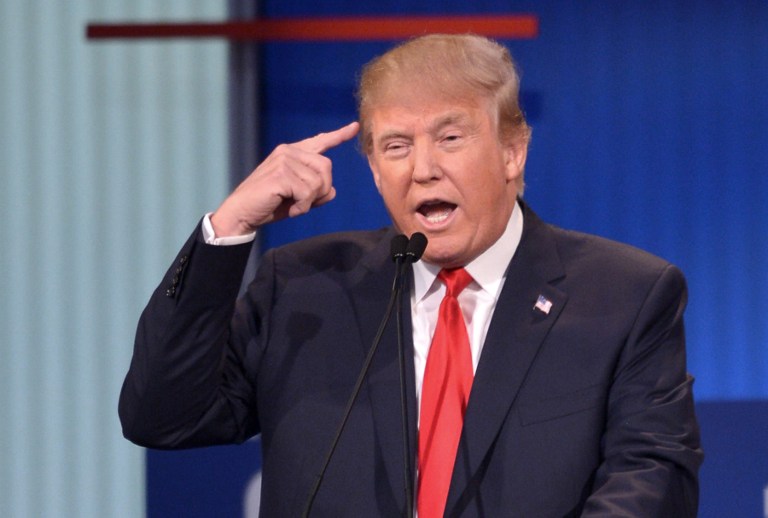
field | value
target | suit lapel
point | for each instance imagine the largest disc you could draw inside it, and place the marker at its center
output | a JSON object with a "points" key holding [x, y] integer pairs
{"points": [[370, 293], [516, 332]]}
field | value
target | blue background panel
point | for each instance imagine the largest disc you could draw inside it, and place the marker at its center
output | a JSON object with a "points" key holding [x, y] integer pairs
{"points": [[203, 482], [734, 480]]}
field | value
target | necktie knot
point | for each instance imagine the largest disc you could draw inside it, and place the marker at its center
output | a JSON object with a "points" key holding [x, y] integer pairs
{"points": [[455, 280]]}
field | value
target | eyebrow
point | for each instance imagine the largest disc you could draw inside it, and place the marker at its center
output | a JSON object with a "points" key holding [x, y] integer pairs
{"points": [[448, 119]]}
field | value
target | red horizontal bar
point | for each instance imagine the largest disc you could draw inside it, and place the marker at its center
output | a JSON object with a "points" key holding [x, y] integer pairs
{"points": [[520, 26]]}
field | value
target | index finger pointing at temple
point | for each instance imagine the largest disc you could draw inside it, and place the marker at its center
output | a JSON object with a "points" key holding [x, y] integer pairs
{"points": [[322, 142]]}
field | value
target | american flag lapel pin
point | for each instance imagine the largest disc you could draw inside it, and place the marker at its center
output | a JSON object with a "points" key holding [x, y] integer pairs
{"points": [[543, 304]]}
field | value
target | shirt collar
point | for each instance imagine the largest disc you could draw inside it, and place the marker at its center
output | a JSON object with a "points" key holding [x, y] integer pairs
{"points": [[488, 269]]}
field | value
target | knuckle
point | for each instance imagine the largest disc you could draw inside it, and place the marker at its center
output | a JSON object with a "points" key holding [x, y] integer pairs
{"points": [[303, 192], [282, 149]]}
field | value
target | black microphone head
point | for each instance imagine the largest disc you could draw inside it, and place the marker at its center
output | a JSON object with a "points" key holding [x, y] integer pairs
{"points": [[416, 246], [397, 247]]}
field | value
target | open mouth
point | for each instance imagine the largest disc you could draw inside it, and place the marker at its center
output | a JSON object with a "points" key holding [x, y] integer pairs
{"points": [[436, 211]]}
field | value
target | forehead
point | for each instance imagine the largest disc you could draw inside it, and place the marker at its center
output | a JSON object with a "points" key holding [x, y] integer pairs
{"points": [[428, 113]]}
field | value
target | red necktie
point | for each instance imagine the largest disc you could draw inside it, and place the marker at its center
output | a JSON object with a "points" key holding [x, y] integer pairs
{"points": [[444, 395]]}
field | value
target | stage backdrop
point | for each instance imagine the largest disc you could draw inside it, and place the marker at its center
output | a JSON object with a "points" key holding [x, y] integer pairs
{"points": [[650, 126]]}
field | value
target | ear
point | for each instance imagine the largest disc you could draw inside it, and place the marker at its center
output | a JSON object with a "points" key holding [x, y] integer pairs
{"points": [[375, 172], [515, 154]]}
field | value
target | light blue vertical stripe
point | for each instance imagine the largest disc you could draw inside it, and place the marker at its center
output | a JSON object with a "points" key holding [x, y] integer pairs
{"points": [[110, 151]]}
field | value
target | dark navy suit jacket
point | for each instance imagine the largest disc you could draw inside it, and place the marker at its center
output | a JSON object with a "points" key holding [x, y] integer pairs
{"points": [[584, 410]]}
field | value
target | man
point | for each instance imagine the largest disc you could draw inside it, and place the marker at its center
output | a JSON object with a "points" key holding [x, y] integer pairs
{"points": [[562, 392]]}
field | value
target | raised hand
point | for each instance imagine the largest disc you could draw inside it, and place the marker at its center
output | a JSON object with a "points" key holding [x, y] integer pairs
{"points": [[293, 179]]}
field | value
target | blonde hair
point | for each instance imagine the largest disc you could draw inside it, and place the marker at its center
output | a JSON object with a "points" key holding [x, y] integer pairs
{"points": [[464, 66]]}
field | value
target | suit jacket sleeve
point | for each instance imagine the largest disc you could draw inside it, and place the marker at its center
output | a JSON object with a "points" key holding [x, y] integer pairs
{"points": [[186, 385], [651, 452]]}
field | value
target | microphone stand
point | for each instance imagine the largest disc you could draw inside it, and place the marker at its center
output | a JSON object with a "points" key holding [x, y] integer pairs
{"points": [[416, 246]]}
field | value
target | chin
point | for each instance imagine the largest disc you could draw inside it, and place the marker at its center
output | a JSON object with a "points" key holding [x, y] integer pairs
{"points": [[442, 259], [441, 251]]}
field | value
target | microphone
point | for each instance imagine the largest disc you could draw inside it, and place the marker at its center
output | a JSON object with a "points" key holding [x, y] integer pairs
{"points": [[416, 246], [398, 247], [404, 252]]}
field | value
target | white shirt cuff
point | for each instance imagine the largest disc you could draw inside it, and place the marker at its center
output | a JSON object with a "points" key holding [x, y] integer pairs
{"points": [[209, 236]]}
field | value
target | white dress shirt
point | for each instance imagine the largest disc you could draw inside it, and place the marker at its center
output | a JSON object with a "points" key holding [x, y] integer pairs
{"points": [[209, 236]]}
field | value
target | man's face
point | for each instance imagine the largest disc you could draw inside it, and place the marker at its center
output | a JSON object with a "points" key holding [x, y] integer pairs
{"points": [[442, 170]]}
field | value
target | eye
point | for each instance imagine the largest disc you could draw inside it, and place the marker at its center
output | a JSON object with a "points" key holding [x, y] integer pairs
{"points": [[396, 148], [452, 138]]}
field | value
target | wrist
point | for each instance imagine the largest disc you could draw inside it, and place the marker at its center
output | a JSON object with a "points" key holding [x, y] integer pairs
{"points": [[227, 226]]}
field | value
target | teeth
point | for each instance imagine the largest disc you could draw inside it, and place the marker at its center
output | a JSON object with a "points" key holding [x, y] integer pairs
{"points": [[436, 216]]}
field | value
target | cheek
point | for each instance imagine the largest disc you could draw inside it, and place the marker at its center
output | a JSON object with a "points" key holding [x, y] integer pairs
{"points": [[487, 188], [393, 183], [393, 193]]}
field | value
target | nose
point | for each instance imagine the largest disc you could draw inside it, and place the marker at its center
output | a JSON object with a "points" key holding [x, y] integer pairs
{"points": [[425, 166]]}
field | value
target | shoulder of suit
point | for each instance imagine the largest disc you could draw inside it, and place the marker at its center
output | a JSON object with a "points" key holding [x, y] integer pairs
{"points": [[334, 250], [591, 253]]}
